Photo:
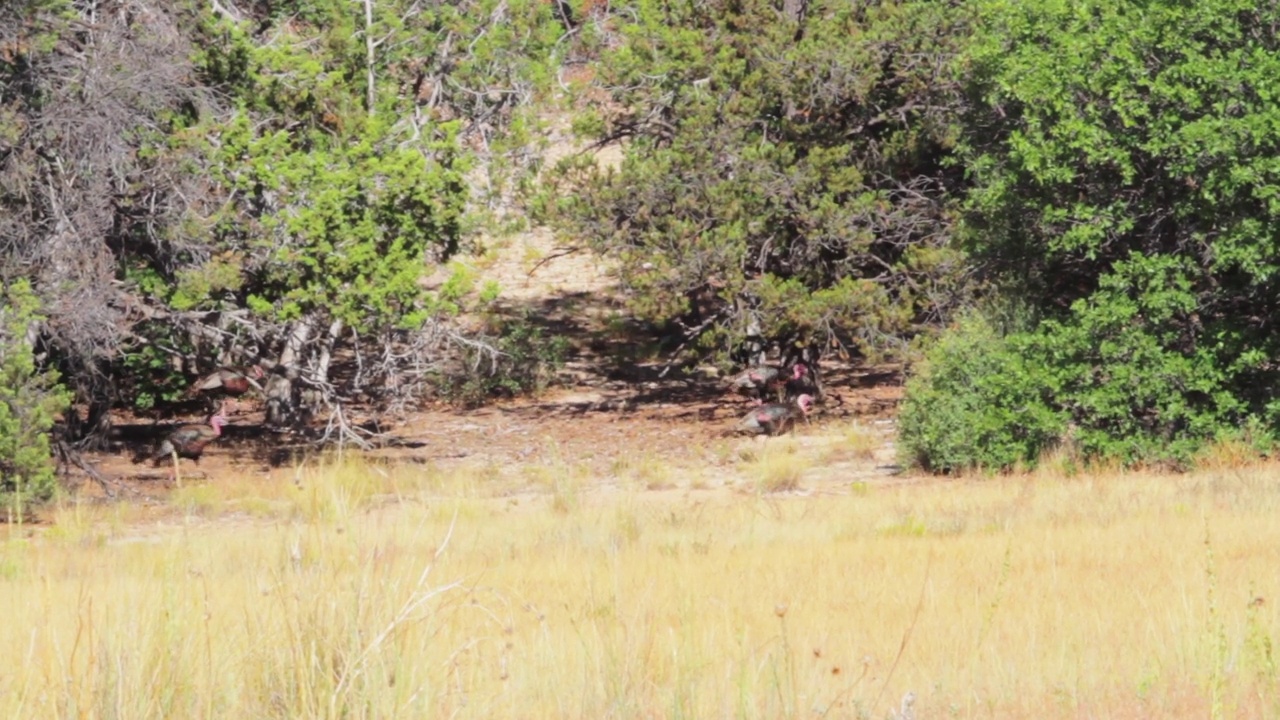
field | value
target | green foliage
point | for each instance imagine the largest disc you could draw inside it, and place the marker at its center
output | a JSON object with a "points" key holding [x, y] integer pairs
{"points": [[978, 401], [346, 216], [1130, 372], [779, 179], [29, 401], [330, 170], [150, 377], [1120, 368], [1105, 129], [1126, 190], [527, 362], [360, 224]]}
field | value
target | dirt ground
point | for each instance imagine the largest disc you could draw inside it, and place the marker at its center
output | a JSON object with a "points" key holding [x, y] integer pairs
{"points": [[595, 426]]}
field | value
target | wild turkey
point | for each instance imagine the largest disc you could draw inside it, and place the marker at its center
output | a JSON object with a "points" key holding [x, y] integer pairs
{"points": [[776, 418], [227, 382], [803, 382], [758, 380], [189, 441]]}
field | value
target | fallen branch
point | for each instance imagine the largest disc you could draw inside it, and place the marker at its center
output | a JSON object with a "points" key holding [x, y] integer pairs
{"points": [[68, 455], [555, 255]]}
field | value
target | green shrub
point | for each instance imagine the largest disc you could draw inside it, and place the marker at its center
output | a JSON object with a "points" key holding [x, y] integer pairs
{"points": [[526, 361], [1128, 368], [29, 400], [779, 181], [1122, 367], [976, 402], [1123, 186]]}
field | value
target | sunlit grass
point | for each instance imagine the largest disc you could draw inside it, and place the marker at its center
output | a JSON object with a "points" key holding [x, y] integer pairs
{"points": [[644, 469], [775, 465], [349, 595], [854, 441]]}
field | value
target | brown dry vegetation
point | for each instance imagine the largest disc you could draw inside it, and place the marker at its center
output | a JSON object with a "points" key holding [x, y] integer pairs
{"points": [[649, 584], [606, 550]]}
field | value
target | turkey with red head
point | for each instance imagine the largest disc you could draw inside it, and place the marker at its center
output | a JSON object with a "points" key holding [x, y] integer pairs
{"points": [[776, 418], [189, 441], [803, 382], [756, 381]]}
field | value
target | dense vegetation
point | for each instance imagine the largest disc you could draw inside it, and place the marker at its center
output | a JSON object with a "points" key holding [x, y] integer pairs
{"points": [[1090, 189], [1125, 193], [785, 178], [193, 185]]}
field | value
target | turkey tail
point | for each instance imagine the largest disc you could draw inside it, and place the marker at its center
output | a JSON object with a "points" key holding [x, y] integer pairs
{"points": [[750, 423], [143, 455], [165, 450], [208, 382]]}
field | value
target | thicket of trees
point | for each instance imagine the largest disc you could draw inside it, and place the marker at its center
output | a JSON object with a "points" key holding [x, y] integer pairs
{"points": [[191, 184], [786, 178], [1124, 199], [1081, 199]]}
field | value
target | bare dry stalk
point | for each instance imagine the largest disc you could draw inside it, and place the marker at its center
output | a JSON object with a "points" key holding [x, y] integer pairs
{"points": [[420, 596]]}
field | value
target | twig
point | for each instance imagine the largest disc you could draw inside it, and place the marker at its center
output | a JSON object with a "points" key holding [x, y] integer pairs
{"points": [[417, 599], [689, 337], [346, 432], [906, 635], [69, 455], [555, 255], [220, 10]]}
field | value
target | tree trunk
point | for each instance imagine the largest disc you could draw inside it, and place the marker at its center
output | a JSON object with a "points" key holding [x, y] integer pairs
{"points": [[93, 433], [326, 352], [313, 396], [282, 407], [811, 356], [754, 345], [795, 11], [370, 47]]}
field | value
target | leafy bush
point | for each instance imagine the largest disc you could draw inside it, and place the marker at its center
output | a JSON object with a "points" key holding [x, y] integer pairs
{"points": [[1125, 187], [29, 400], [526, 361], [977, 402], [1120, 368], [1130, 372], [781, 182], [265, 181]]}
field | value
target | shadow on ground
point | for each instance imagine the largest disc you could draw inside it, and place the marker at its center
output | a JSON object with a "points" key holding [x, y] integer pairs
{"points": [[614, 395], [614, 368]]}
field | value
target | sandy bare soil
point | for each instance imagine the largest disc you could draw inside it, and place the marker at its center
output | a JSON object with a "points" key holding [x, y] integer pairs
{"points": [[591, 426]]}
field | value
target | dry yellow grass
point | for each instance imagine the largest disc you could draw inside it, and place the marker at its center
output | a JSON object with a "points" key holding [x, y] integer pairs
{"points": [[775, 464], [854, 441], [383, 592]]}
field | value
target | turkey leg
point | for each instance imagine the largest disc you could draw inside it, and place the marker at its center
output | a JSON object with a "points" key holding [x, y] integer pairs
{"points": [[177, 478]]}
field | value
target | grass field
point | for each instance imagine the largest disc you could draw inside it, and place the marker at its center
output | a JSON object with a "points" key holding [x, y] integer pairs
{"points": [[397, 592]]}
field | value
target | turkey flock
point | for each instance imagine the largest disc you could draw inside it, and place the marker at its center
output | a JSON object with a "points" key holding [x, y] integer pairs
{"points": [[220, 389], [792, 392]]}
